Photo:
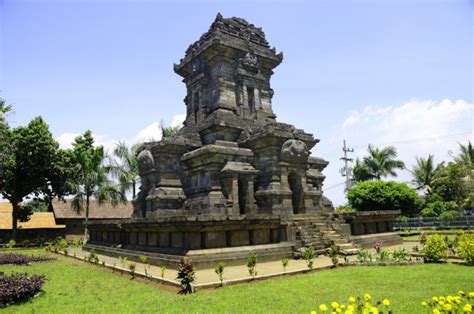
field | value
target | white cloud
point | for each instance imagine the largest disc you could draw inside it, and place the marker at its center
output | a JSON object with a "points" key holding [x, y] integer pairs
{"points": [[152, 132], [416, 128]]}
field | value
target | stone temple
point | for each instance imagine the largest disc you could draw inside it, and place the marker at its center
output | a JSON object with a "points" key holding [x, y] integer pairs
{"points": [[233, 180]]}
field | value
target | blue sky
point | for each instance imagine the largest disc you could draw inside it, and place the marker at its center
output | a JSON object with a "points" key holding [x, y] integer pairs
{"points": [[382, 72]]}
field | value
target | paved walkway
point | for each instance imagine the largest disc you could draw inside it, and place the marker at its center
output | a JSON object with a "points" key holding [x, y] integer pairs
{"points": [[232, 274]]}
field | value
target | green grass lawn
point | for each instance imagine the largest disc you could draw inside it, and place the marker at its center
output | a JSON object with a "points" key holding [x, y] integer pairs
{"points": [[76, 287]]}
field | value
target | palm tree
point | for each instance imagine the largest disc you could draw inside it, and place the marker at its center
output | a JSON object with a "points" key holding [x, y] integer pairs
{"points": [[4, 109], [91, 179], [466, 156], [124, 167], [360, 172], [424, 173], [381, 162]]}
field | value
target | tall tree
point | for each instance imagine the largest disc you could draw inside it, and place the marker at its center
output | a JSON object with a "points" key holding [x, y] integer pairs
{"points": [[382, 162], [91, 180], [466, 155], [4, 109], [31, 164], [360, 171], [124, 167], [424, 172]]}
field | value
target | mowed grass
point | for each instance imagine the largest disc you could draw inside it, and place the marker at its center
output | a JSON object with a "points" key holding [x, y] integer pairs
{"points": [[76, 287]]}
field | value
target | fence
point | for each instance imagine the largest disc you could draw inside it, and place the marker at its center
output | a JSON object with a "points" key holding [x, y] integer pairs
{"points": [[462, 222]]}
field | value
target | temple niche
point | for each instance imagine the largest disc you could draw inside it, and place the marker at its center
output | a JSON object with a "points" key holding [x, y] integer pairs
{"points": [[233, 175]]}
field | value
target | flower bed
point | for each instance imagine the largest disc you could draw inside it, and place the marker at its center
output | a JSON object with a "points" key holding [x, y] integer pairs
{"points": [[19, 287], [20, 259]]}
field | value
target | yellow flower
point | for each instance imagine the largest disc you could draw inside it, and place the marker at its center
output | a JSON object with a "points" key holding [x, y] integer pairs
{"points": [[338, 310], [441, 302], [349, 312], [448, 307], [442, 299], [436, 311], [461, 293], [352, 299], [450, 299], [374, 310], [467, 308], [313, 312], [386, 302], [323, 308], [424, 303], [435, 299], [350, 308], [471, 294], [334, 305], [367, 297]]}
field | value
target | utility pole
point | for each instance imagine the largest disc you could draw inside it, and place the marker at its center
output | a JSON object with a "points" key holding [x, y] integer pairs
{"points": [[346, 171]]}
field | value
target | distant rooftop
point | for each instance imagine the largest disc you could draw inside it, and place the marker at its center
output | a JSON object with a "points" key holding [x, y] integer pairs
{"points": [[37, 220], [63, 210]]}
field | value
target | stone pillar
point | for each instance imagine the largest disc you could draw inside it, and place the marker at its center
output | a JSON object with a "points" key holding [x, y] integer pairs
{"points": [[251, 206]]}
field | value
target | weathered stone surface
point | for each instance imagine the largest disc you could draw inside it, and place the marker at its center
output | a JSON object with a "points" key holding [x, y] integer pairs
{"points": [[239, 237], [177, 240], [215, 239]]}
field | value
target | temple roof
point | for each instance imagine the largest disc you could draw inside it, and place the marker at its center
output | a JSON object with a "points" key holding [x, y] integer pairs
{"points": [[233, 32]]}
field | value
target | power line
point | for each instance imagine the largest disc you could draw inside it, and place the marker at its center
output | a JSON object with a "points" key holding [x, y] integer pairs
{"points": [[334, 186]]}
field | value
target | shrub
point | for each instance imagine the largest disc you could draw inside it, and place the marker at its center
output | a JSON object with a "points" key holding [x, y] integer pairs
{"points": [[384, 256], [220, 272], [19, 287], [284, 263], [332, 253], [20, 259], [466, 248], [381, 195], [364, 257], [162, 271], [251, 264], [11, 244], [401, 255], [378, 246], [132, 267], [308, 255], [186, 275], [144, 261], [92, 257], [435, 248]]}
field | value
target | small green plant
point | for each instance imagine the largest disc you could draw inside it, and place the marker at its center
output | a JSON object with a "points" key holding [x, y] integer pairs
{"points": [[308, 255], [252, 264], [384, 256], [10, 244], [132, 267], [92, 257], [401, 255], [219, 270], [466, 248], [144, 261], [284, 263], [186, 275], [435, 249], [416, 248], [162, 271], [364, 257], [123, 259], [332, 253]]}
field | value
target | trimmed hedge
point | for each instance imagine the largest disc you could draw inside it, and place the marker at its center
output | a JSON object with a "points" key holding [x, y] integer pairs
{"points": [[20, 259], [381, 195], [19, 287]]}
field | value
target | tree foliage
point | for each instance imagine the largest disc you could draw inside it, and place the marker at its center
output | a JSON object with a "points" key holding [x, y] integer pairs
{"points": [[424, 173], [124, 167], [380, 195], [31, 164], [377, 164], [91, 179]]}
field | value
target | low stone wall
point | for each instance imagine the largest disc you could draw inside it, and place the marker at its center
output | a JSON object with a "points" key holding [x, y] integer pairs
{"points": [[367, 227], [203, 238]]}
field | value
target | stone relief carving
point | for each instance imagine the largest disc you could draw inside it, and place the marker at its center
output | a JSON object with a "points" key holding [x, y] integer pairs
{"points": [[294, 151]]}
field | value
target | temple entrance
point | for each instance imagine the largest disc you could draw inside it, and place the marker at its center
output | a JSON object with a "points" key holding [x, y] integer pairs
{"points": [[294, 180], [242, 196]]}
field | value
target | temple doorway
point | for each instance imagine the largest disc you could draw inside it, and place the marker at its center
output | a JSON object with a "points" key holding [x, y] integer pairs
{"points": [[294, 180]]}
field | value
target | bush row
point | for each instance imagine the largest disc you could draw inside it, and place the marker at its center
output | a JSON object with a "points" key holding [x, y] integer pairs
{"points": [[20, 259], [19, 287]]}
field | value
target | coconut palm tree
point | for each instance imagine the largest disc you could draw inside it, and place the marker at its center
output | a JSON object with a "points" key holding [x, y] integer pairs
{"points": [[381, 162], [424, 173], [360, 172], [4, 109], [124, 167], [91, 178], [466, 155]]}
